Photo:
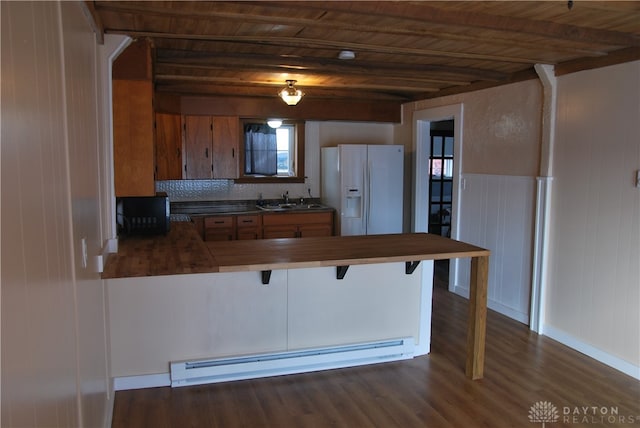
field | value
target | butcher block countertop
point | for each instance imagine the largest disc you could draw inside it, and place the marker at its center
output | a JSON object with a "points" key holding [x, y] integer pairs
{"points": [[182, 251], [291, 253]]}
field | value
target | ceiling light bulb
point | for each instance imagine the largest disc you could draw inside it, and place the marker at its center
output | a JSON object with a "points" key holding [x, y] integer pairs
{"points": [[290, 94]]}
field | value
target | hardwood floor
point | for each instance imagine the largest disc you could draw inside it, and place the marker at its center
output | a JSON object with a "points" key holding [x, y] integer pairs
{"points": [[521, 370]]}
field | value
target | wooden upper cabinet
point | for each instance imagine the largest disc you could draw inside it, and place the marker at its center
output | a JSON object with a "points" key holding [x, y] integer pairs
{"points": [[168, 147], [226, 140], [198, 147], [133, 158], [211, 147], [133, 138]]}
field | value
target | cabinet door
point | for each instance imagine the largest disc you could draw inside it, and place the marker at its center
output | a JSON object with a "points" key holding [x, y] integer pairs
{"points": [[168, 147], [133, 163], [281, 231], [198, 147], [226, 133], [310, 230], [219, 228], [297, 225]]}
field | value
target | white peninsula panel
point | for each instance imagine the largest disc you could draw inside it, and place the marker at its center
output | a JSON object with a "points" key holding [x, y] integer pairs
{"points": [[371, 302], [158, 319]]}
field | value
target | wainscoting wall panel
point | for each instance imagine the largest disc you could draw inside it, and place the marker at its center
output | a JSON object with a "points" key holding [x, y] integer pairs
{"points": [[496, 212]]}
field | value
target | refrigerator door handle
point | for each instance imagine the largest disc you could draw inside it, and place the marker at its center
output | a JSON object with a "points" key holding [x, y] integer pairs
{"points": [[365, 201], [369, 193]]}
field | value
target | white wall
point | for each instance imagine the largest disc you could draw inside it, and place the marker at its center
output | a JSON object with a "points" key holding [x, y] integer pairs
{"points": [[593, 293], [53, 327], [499, 162]]}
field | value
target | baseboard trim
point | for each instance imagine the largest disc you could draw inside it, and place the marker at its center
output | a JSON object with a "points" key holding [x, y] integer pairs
{"points": [[143, 381], [591, 351]]}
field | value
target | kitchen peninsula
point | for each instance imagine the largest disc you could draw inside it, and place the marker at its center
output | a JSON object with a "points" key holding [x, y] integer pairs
{"points": [[177, 297]]}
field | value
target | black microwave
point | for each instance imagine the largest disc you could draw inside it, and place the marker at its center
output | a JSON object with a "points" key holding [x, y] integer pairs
{"points": [[143, 215]]}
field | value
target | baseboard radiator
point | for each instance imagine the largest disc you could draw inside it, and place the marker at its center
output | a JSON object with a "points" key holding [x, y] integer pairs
{"points": [[198, 372]]}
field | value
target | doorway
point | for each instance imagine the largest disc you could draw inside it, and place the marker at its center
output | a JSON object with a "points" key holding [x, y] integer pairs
{"points": [[441, 190], [437, 176], [441, 177]]}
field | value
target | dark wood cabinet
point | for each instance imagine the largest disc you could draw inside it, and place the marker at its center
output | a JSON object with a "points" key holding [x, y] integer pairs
{"points": [[249, 226], [264, 226], [297, 225], [211, 147], [198, 147], [226, 140], [219, 228], [168, 146]]}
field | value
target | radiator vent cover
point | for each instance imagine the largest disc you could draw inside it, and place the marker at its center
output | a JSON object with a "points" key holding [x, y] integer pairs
{"points": [[198, 372]]}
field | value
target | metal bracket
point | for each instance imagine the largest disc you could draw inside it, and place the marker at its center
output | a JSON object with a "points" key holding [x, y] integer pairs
{"points": [[409, 267], [341, 271], [266, 276]]}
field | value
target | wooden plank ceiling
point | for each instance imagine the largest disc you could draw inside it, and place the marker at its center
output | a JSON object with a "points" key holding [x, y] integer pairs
{"points": [[403, 50]]}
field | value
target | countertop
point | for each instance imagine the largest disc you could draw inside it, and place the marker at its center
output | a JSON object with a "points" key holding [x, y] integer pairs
{"points": [[182, 251], [240, 207]]}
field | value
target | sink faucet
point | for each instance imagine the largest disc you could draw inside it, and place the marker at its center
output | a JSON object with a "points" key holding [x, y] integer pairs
{"points": [[285, 196]]}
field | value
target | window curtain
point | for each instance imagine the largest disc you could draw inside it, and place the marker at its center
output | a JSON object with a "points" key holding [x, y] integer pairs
{"points": [[260, 151]]}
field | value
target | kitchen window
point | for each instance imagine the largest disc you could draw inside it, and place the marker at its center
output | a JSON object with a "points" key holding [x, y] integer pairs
{"points": [[272, 155], [286, 150]]}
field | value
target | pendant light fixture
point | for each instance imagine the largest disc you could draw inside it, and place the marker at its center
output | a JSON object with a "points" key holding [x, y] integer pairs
{"points": [[290, 94]]}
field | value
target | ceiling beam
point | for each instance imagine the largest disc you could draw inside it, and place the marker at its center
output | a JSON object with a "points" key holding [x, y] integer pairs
{"points": [[617, 57], [324, 65], [256, 87], [348, 25], [333, 44], [183, 70], [428, 13]]}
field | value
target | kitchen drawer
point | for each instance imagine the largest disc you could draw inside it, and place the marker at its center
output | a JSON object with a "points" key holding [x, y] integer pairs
{"points": [[249, 227], [219, 228], [215, 222], [248, 220], [297, 218]]}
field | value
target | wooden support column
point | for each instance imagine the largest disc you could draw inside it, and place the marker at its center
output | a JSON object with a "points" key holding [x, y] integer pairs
{"points": [[477, 323]]}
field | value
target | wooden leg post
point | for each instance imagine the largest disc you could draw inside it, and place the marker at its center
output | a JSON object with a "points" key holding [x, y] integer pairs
{"points": [[477, 323]]}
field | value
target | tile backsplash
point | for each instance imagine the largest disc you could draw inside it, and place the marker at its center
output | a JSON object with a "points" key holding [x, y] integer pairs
{"points": [[213, 190]]}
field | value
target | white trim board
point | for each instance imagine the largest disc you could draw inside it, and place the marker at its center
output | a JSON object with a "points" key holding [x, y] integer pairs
{"points": [[591, 351]]}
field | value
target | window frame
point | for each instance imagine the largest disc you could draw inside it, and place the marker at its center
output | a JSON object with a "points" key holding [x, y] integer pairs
{"points": [[298, 143]]}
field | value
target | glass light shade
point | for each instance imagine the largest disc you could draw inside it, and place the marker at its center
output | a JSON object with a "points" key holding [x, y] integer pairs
{"points": [[274, 123], [290, 94]]}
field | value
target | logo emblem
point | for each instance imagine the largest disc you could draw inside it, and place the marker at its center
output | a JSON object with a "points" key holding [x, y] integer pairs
{"points": [[543, 411]]}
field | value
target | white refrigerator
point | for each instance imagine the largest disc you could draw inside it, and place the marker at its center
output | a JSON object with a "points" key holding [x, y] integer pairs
{"points": [[364, 184]]}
